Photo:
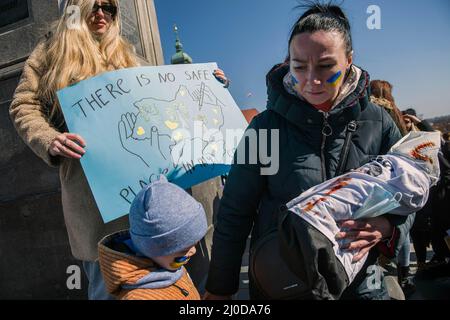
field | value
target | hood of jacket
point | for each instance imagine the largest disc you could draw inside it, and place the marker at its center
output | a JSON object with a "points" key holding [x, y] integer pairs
{"points": [[123, 269]]}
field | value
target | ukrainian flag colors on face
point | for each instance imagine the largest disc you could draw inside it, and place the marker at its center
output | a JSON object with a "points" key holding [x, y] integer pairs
{"points": [[295, 83], [334, 80]]}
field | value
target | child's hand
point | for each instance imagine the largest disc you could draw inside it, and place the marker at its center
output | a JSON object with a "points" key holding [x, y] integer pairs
{"points": [[220, 76]]}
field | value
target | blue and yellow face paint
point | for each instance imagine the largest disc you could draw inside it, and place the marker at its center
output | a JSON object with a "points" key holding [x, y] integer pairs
{"points": [[179, 262], [295, 83], [334, 80]]}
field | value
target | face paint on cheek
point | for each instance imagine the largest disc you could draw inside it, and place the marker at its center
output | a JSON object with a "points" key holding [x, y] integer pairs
{"points": [[179, 262], [295, 83], [335, 79]]}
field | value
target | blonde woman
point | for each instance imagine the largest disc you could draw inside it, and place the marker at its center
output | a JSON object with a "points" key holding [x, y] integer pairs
{"points": [[74, 51], [80, 46]]}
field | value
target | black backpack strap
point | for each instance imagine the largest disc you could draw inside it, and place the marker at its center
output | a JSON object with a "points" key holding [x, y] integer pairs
{"points": [[351, 128]]}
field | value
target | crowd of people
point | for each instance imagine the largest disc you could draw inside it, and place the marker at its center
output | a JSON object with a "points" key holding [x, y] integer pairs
{"points": [[331, 119], [430, 221]]}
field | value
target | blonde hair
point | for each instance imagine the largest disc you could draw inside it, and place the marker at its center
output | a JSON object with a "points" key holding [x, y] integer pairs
{"points": [[74, 53], [381, 94]]}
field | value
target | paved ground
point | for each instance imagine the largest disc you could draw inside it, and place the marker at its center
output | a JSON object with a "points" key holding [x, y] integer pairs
{"points": [[429, 287]]}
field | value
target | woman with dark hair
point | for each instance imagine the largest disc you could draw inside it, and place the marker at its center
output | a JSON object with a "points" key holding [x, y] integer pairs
{"points": [[318, 106]]}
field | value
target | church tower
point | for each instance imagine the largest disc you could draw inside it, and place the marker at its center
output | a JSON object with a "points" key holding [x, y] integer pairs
{"points": [[180, 57]]}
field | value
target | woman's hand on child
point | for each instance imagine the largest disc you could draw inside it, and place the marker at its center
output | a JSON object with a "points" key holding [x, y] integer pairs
{"points": [[68, 145], [364, 234], [220, 76]]}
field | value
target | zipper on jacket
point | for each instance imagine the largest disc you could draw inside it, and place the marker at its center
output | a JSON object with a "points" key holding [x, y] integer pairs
{"points": [[326, 132], [183, 291]]}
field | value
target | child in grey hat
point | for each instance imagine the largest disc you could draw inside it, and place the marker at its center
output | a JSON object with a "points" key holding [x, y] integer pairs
{"points": [[146, 262]]}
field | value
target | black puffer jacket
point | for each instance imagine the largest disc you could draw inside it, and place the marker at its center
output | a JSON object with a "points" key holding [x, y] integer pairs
{"points": [[306, 158]]}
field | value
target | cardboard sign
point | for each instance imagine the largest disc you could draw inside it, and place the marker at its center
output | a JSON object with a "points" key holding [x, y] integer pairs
{"points": [[140, 122]]}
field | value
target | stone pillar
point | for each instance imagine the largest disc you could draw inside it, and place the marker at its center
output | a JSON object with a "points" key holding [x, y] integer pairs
{"points": [[140, 27]]}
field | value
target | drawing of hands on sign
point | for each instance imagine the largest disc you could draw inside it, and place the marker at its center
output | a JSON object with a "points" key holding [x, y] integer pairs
{"points": [[143, 142]]}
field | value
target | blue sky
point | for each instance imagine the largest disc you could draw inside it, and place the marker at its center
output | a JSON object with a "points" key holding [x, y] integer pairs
{"points": [[247, 37]]}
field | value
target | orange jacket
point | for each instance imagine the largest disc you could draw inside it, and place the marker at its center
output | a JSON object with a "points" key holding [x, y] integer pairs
{"points": [[121, 268]]}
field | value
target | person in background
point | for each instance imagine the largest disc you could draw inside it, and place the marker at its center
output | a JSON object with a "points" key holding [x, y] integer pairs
{"points": [[439, 219], [413, 123], [381, 95]]}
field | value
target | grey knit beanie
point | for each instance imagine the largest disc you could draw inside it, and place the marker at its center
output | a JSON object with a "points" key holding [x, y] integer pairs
{"points": [[165, 219]]}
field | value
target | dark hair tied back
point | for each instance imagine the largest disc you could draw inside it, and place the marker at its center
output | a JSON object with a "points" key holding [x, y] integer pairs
{"points": [[323, 17]]}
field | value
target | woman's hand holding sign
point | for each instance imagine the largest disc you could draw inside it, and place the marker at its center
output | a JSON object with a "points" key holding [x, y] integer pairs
{"points": [[221, 77], [68, 145]]}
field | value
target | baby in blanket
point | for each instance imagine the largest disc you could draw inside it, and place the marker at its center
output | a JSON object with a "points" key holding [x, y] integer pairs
{"points": [[395, 183]]}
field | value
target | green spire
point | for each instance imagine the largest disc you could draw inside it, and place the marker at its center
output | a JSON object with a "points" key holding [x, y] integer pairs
{"points": [[178, 44], [180, 57]]}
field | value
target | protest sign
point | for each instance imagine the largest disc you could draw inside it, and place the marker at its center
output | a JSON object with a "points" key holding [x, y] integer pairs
{"points": [[140, 122]]}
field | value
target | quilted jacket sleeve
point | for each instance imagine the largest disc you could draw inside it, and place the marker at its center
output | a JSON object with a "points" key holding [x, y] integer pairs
{"points": [[238, 207]]}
